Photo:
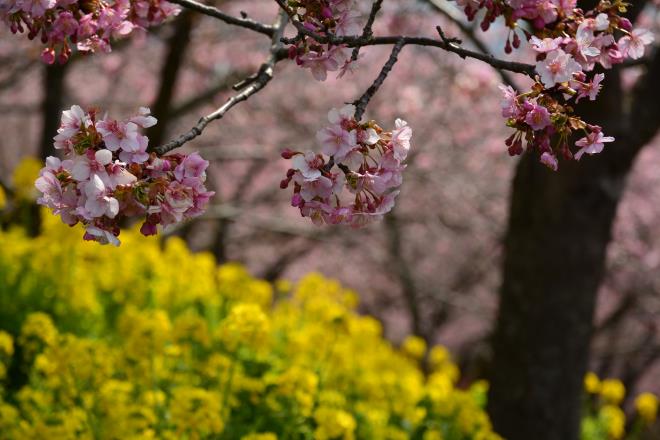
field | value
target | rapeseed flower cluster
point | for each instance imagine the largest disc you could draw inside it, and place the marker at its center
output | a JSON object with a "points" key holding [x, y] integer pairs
{"points": [[151, 341], [604, 417]]}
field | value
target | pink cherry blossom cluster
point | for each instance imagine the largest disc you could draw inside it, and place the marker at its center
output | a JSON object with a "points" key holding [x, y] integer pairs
{"points": [[108, 176], [325, 17], [369, 167], [569, 43], [89, 25], [546, 126]]}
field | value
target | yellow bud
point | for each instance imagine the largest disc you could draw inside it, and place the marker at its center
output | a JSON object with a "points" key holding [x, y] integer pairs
{"points": [[646, 405], [591, 383], [612, 391]]}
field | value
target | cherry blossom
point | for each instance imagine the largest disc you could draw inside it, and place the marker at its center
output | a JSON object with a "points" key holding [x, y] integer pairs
{"points": [[538, 117], [633, 45], [336, 141], [584, 39], [509, 105], [590, 89], [63, 24], [592, 144], [108, 176], [546, 44], [401, 136], [558, 67], [309, 165], [370, 168], [325, 17]]}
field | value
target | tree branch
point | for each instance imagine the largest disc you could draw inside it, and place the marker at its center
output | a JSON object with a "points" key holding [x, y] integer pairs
{"points": [[259, 80], [211, 11], [447, 44], [361, 103], [255, 83], [366, 32], [470, 35]]}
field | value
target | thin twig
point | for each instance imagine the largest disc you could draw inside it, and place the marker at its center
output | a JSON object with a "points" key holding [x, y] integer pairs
{"points": [[470, 35], [258, 82], [211, 11], [361, 103], [366, 32]]}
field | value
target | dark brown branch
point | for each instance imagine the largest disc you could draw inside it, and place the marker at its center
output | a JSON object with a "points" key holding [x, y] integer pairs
{"points": [[229, 19], [361, 103], [447, 44], [366, 32], [470, 35], [262, 78], [354, 41]]}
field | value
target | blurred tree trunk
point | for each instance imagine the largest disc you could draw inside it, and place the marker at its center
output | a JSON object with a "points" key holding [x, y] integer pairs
{"points": [[51, 106], [558, 231], [53, 84], [177, 46]]}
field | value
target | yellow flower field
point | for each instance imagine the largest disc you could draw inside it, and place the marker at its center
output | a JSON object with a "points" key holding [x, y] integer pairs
{"points": [[145, 341]]}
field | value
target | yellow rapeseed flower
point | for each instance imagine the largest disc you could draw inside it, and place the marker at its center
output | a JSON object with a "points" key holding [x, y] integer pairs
{"points": [[646, 405], [24, 176], [6, 344], [247, 325], [334, 424], [614, 421], [262, 436], [433, 434], [612, 391], [196, 410], [592, 383], [414, 346]]}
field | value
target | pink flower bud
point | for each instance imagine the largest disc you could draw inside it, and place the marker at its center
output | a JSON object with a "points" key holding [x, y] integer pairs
{"points": [[287, 153], [48, 55], [507, 47], [625, 24], [516, 149], [148, 229], [516, 41], [292, 52], [326, 12]]}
